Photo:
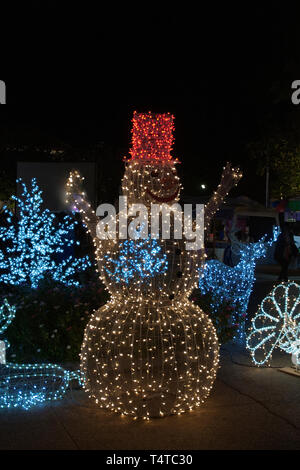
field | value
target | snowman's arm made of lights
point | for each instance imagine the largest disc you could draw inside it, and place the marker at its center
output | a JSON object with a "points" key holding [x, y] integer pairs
{"points": [[230, 178], [75, 198]]}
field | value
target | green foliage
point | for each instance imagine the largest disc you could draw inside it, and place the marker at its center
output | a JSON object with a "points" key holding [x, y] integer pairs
{"points": [[50, 320], [287, 168], [282, 155], [223, 315]]}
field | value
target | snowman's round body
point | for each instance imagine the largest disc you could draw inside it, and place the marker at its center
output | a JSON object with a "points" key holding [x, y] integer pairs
{"points": [[149, 358], [149, 351]]}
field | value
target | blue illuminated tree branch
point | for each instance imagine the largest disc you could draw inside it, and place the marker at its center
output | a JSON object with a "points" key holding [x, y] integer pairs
{"points": [[34, 242], [137, 259]]}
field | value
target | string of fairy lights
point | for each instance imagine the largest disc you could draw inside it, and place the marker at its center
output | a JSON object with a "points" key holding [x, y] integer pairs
{"points": [[7, 314], [230, 178], [149, 351], [28, 385]]}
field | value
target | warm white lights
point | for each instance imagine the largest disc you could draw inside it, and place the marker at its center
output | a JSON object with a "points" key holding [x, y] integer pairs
{"points": [[149, 351]]}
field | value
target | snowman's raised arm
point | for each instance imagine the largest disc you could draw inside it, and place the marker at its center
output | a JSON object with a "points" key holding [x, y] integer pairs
{"points": [[230, 177], [75, 198]]}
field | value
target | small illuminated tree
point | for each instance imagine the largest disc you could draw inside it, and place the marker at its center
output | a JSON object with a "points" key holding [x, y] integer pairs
{"points": [[32, 244]]}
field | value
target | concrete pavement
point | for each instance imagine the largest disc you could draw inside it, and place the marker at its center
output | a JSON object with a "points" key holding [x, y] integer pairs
{"points": [[249, 408]]}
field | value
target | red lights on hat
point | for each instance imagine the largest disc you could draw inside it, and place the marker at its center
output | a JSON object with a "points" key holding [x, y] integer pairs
{"points": [[152, 136]]}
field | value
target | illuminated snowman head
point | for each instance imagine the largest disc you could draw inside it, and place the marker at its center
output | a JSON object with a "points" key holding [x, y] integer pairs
{"points": [[149, 182], [151, 175]]}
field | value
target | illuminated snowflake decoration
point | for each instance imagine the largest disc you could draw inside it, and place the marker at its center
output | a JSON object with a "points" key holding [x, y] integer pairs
{"points": [[276, 324], [140, 259]]}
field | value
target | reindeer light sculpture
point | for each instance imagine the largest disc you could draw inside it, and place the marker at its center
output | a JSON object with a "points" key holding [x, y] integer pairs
{"points": [[236, 283]]}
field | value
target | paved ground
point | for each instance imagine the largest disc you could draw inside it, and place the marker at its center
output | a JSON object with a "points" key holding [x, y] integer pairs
{"points": [[249, 408]]}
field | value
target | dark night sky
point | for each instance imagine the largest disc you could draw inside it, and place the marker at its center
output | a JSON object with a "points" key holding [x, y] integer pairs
{"points": [[77, 73]]}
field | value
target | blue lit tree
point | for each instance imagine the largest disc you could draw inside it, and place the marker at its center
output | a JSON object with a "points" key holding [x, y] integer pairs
{"points": [[31, 245]]}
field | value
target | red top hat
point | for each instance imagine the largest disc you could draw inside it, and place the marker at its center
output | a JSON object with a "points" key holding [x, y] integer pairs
{"points": [[152, 136]]}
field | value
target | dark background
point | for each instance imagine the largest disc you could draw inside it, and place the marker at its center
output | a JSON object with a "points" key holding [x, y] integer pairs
{"points": [[75, 73]]}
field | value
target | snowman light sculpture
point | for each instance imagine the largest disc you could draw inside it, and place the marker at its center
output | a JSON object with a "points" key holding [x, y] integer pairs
{"points": [[149, 352]]}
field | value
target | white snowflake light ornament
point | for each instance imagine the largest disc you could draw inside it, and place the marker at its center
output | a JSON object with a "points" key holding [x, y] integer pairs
{"points": [[276, 325]]}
